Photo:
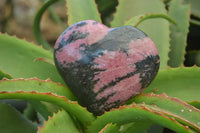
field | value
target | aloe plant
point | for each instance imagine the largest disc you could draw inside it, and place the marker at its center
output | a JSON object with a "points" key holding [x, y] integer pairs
{"points": [[172, 101]]}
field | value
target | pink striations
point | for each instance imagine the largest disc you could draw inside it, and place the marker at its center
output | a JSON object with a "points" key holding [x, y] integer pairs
{"points": [[141, 48], [123, 90], [115, 65], [118, 64], [70, 52]]}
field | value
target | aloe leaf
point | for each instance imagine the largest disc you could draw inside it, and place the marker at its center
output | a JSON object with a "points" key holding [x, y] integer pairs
{"points": [[61, 122], [156, 29], [70, 106], [14, 122], [46, 60], [29, 112], [36, 24], [106, 9], [40, 88], [55, 17], [195, 22], [135, 113], [193, 58], [182, 82], [37, 85], [136, 20], [181, 14], [196, 104], [135, 127], [44, 91], [21, 63], [41, 108], [79, 10], [110, 128], [38, 106], [34, 84], [155, 128], [184, 122], [195, 7], [5, 75], [180, 110]]}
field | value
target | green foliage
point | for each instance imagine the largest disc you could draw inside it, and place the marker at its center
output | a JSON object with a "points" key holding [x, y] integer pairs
{"points": [[180, 13], [21, 60], [193, 58], [9, 89], [134, 113], [61, 122], [14, 122], [195, 10], [182, 111], [136, 20], [86, 10], [42, 86], [136, 127], [4, 75], [36, 25], [110, 128], [172, 101], [179, 82]]}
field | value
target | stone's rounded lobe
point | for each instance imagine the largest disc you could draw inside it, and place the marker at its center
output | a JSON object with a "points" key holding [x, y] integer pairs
{"points": [[105, 67]]}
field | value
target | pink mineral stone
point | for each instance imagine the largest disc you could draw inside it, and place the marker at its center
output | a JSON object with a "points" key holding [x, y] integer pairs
{"points": [[105, 67]]}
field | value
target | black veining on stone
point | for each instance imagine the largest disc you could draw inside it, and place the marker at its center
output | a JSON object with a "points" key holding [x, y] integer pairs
{"points": [[83, 23], [74, 36]]}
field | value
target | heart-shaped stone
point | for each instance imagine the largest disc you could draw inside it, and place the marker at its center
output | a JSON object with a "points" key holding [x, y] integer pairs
{"points": [[105, 67]]}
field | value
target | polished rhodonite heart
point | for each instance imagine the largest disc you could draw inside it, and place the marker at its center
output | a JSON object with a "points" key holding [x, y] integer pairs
{"points": [[104, 67]]}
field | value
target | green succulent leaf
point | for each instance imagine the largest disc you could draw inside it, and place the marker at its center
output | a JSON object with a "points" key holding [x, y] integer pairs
{"points": [[41, 108], [36, 24], [155, 128], [14, 122], [193, 58], [195, 7], [106, 9], [136, 20], [180, 110], [110, 128], [135, 127], [36, 85], [37, 105], [182, 82], [156, 29], [195, 22], [61, 122], [79, 10], [5, 75], [46, 60], [38, 90], [56, 18], [196, 104], [181, 14], [29, 112], [72, 107], [136, 113], [18, 58]]}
